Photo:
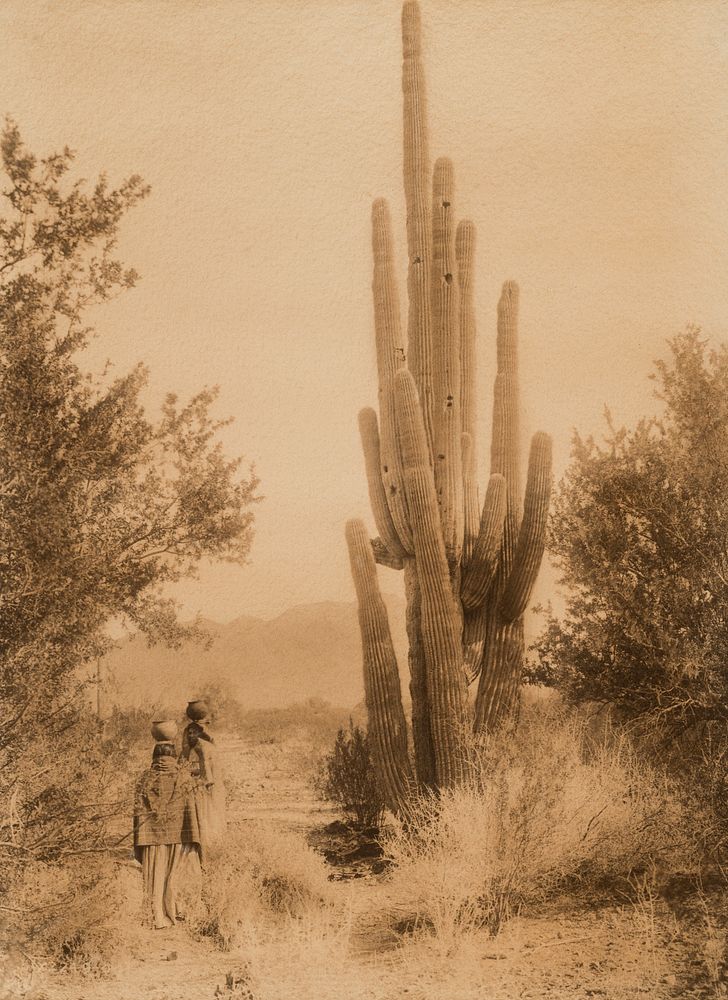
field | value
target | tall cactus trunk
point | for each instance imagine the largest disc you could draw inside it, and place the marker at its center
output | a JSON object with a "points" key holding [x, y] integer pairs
{"points": [[469, 571], [424, 752], [445, 678]]}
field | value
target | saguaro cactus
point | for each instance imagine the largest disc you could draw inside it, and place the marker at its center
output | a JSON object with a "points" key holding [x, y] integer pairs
{"points": [[469, 570]]}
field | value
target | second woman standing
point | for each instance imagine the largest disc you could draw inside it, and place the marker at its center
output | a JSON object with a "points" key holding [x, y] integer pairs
{"points": [[198, 747]]}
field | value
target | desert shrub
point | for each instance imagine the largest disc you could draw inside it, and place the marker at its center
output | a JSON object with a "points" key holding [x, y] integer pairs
{"points": [[130, 727], [638, 532], [68, 802], [258, 875], [545, 809], [347, 777], [699, 761], [83, 912]]}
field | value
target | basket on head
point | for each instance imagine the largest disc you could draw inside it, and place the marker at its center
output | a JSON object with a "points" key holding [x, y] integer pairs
{"points": [[197, 710], [164, 730]]}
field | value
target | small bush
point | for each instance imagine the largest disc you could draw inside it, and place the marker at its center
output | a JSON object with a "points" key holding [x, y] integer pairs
{"points": [[67, 816], [699, 762], [259, 875], [85, 913], [543, 811], [347, 777]]}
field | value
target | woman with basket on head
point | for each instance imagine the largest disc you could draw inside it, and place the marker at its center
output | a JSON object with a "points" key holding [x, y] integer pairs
{"points": [[198, 747]]}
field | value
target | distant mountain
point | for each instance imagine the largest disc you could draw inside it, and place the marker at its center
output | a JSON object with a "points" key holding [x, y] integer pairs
{"points": [[312, 650]]}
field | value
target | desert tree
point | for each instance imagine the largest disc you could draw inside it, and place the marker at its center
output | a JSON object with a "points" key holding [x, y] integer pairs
{"points": [[102, 506], [639, 533]]}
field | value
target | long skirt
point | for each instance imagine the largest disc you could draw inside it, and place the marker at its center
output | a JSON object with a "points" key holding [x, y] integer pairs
{"points": [[161, 868], [210, 804]]}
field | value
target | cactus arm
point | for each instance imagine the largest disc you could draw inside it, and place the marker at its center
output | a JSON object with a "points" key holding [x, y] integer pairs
{"points": [[507, 336], [532, 536], [501, 671], [416, 189], [387, 726], [503, 648], [478, 576], [446, 691], [473, 643], [390, 358], [446, 360], [464, 253], [383, 556], [377, 497], [523, 533], [505, 448]]}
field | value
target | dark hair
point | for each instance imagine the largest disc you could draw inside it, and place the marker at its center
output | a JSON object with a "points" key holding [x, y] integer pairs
{"points": [[198, 731], [164, 750]]}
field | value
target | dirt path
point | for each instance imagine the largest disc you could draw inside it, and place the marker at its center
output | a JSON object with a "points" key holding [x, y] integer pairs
{"points": [[266, 782], [173, 967], [270, 788]]}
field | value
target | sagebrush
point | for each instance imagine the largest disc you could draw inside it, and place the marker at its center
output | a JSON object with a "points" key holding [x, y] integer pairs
{"points": [[545, 810]]}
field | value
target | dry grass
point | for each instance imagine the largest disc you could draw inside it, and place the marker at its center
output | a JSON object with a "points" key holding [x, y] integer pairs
{"points": [[260, 876], [86, 914], [547, 813], [542, 813], [569, 957]]}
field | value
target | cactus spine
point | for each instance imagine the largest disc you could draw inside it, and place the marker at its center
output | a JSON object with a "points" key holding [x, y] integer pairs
{"points": [[469, 570]]}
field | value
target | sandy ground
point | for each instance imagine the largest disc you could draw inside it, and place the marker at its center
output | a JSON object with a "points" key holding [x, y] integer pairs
{"points": [[612, 953]]}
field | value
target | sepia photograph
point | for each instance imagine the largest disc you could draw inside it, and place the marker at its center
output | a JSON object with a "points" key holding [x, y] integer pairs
{"points": [[363, 499]]}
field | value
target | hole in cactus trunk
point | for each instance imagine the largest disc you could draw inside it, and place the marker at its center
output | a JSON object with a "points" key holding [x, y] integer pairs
{"points": [[448, 279]]}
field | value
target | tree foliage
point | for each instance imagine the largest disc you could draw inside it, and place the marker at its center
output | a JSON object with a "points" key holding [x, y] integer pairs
{"points": [[639, 533], [102, 507]]}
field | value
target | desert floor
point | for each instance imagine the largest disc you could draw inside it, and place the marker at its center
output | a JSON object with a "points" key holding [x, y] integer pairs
{"points": [[571, 948]]}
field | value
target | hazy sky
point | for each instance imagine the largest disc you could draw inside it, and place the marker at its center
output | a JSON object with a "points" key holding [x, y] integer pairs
{"points": [[590, 142]]}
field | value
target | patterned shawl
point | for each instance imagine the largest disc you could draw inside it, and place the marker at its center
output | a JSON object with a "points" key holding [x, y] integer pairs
{"points": [[165, 811]]}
